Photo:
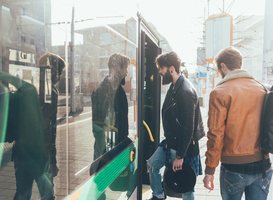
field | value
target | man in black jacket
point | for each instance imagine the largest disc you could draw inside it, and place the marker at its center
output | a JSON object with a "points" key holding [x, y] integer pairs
{"points": [[110, 106], [182, 123]]}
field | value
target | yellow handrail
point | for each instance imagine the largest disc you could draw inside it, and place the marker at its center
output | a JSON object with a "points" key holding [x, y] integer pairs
{"points": [[149, 131]]}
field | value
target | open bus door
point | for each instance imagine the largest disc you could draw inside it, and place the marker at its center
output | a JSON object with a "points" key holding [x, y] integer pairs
{"points": [[149, 100]]}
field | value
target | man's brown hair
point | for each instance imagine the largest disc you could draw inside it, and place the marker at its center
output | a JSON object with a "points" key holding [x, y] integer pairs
{"points": [[231, 57], [118, 60], [168, 60]]}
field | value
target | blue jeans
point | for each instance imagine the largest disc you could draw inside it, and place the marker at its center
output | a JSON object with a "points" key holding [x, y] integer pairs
{"points": [[233, 185], [157, 161]]}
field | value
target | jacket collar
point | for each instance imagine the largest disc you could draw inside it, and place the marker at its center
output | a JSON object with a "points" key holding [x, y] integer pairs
{"points": [[179, 81], [171, 92], [237, 73]]}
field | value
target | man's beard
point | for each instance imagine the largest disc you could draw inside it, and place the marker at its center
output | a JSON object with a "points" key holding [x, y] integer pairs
{"points": [[222, 73], [167, 78]]}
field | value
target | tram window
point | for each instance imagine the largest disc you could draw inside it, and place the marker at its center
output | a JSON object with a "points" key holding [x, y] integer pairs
{"points": [[106, 84], [91, 124]]}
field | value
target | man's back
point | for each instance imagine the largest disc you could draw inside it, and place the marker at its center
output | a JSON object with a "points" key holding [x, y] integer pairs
{"points": [[234, 128], [239, 102]]}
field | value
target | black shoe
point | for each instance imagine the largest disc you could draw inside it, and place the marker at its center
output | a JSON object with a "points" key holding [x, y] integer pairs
{"points": [[154, 198]]}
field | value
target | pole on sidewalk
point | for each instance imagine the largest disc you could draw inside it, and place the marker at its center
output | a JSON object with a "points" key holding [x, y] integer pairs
{"points": [[267, 43], [72, 89]]}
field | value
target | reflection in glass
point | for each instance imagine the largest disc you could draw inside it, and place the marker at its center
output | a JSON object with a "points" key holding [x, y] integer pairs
{"points": [[30, 153], [29, 29], [49, 109], [110, 107]]}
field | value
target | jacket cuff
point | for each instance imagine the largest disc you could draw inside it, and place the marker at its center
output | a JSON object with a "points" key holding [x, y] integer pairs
{"points": [[180, 155], [209, 170]]}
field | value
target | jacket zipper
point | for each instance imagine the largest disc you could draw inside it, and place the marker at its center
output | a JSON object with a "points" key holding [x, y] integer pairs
{"points": [[167, 109], [178, 122]]}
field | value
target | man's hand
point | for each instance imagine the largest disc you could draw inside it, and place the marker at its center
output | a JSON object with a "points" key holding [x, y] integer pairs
{"points": [[208, 182], [177, 164]]}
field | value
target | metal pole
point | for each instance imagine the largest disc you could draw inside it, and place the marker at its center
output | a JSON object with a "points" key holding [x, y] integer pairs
{"points": [[72, 89], [208, 8], [66, 111], [204, 27], [267, 44], [140, 86], [81, 71], [223, 5]]}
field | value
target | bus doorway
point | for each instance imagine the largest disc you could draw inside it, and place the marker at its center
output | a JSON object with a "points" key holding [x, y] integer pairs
{"points": [[151, 108], [149, 101]]}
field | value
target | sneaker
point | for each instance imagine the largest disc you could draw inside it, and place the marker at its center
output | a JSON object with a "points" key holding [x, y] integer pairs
{"points": [[155, 198]]}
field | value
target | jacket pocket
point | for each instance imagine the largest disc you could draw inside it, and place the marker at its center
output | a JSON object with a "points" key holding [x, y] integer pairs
{"points": [[265, 182], [233, 182]]}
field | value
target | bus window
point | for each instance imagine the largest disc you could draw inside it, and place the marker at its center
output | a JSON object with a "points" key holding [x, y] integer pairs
{"points": [[84, 93]]}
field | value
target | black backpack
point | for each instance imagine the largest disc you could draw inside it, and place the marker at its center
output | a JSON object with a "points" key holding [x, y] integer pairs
{"points": [[266, 130]]}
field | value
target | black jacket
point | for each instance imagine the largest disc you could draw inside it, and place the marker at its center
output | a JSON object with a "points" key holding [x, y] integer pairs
{"points": [[49, 111], [103, 98], [182, 120]]}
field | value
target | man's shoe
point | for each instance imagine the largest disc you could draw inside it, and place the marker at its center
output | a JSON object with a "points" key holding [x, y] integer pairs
{"points": [[155, 198]]}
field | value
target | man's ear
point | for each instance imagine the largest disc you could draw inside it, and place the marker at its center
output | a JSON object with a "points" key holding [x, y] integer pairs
{"points": [[172, 69], [223, 66]]}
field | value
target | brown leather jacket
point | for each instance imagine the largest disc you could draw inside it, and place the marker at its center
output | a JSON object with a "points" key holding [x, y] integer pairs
{"points": [[235, 108]]}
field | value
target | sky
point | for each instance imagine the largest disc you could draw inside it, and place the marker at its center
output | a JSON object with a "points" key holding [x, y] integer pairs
{"points": [[181, 22]]}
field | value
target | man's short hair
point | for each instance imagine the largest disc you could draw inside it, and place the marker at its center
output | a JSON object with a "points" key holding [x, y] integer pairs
{"points": [[118, 60], [168, 60], [231, 57]]}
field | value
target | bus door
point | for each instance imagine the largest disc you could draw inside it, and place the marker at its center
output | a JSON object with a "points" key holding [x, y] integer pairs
{"points": [[149, 136], [151, 107]]}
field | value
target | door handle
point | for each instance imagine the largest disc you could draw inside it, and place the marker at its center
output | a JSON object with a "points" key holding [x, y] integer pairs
{"points": [[149, 131]]}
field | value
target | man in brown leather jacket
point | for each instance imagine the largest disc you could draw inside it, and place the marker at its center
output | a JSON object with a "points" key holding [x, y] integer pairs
{"points": [[235, 108]]}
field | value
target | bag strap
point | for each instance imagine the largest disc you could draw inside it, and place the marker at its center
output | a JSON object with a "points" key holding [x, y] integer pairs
{"points": [[267, 88], [263, 157]]}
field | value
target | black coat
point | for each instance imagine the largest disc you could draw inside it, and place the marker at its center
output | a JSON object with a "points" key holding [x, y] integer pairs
{"points": [[182, 119], [103, 98], [49, 111]]}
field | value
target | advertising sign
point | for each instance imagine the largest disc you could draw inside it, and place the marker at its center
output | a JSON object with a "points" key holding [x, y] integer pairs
{"points": [[219, 34]]}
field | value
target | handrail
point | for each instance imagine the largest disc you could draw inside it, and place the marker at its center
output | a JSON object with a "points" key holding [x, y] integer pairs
{"points": [[149, 131]]}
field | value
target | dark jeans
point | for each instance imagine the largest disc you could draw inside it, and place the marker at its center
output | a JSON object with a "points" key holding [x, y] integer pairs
{"points": [[233, 185], [25, 174]]}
